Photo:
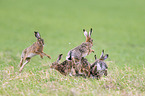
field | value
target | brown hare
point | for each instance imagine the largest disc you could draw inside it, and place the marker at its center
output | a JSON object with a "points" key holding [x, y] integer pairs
{"points": [[84, 68], [65, 68], [68, 67], [82, 50], [35, 49], [99, 67], [95, 70]]}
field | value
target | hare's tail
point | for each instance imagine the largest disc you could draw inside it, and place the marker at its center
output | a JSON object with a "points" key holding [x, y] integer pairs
{"points": [[70, 56]]}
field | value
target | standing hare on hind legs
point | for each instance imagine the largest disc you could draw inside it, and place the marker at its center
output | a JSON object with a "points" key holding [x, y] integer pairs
{"points": [[82, 50], [31, 51]]}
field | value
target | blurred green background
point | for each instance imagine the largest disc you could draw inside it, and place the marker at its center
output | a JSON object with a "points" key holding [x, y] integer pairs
{"points": [[118, 28]]}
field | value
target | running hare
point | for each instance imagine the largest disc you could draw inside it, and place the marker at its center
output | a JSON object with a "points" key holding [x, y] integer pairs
{"points": [[99, 67], [35, 49], [82, 50]]}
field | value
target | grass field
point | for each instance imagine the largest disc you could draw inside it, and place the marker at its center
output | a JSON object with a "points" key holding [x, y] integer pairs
{"points": [[118, 28]]}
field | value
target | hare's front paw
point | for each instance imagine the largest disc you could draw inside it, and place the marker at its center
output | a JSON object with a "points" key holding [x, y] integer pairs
{"points": [[41, 56], [93, 51], [49, 57]]}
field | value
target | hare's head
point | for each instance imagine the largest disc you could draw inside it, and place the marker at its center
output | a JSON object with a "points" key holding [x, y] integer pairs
{"points": [[100, 62], [39, 39], [88, 36], [100, 67], [103, 57], [54, 64]]}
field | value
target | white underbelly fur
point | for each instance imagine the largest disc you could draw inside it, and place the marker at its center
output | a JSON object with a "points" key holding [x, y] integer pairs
{"points": [[98, 67], [31, 55], [84, 55]]}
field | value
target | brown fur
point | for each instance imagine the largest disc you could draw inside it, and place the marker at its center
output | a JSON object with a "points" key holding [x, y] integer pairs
{"points": [[86, 69], [99, 67], [69, 67], [82, 50], [35, 49], [64, 68]]}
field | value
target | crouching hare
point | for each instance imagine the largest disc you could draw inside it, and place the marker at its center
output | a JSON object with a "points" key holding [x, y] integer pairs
{"points": [[84, 68], [99, 67], [65, 68], [68, 67], [31, 51]]}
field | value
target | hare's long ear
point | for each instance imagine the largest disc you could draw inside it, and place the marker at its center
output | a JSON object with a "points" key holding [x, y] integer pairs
{"points": [[95, 57], [90, 32], [37, 35], [106, 56], [102, 54], [59, 57], [85, 33]]}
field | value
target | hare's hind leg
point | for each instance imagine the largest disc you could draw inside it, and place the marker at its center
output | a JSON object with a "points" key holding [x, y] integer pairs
{"points": [[105, 73], [27, 61], [73, 72], [21, 62], [44, 54], [78, 65], [22, 57]]}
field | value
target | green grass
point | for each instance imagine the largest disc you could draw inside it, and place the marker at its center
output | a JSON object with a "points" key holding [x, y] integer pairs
{"points": [[118, 28]]}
